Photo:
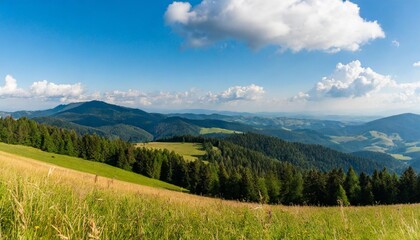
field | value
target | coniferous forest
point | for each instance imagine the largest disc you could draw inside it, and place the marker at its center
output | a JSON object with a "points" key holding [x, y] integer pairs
{"points": [[230, 169]]}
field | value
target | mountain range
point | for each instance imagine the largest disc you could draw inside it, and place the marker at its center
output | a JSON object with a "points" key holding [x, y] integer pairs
{"points": [[397, 136]]}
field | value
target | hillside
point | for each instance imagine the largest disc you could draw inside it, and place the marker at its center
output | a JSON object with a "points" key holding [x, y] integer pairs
{"points": [[394, 135], [407, 126], [129, 124], [228, 170], [98, 114], [38, 203], [78, 164], [312, 156], [385, 159]]}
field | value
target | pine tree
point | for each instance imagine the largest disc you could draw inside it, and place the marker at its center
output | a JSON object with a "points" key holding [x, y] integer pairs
{"points": [[314, 188], [366, 195], [408, 186], [247, 186], [341, 196], [352, 187]]}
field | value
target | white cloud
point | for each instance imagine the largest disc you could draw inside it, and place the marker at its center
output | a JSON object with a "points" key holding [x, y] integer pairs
{"points": [[191, 98], [357, 89], [395, 43], [45, 89], [328, 25], [237, 93], [10, 88], [416, 64], [348, 81]]}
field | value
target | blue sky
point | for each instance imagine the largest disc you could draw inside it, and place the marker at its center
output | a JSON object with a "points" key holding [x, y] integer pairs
{"points": [[163, 55]]}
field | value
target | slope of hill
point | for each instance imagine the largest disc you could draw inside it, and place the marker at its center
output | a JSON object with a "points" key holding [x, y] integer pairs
{"points": [[407, 126], [98, 114], [31, 195], [129, 124], [44, 113], [303, 136], [311, 156], [122, 131], [399, 135], [78, 164]]}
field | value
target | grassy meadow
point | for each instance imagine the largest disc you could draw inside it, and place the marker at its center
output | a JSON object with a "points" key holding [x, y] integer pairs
{"points": [[42, 201], [96, 168], [190, 151], [214, 130]]}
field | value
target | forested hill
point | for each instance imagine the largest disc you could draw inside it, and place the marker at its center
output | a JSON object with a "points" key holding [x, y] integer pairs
{"points": [[129, 124], [226, 170], [311, 156]]}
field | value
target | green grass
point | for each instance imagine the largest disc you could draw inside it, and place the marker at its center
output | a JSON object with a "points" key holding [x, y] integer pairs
{"points": [[204, 131], [190, 151], [35, 204], [82, 165]]}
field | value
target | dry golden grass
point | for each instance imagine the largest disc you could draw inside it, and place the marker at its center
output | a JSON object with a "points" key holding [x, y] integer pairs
{"points": [[38, 200]]}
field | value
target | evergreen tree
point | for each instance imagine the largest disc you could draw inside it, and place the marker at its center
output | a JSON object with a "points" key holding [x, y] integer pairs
{"points": [[334, 182], [314, 188], [273, 186], [366, 195], [352, 187], [342, 197], [408, 186], [248, 190], [262, 191]]}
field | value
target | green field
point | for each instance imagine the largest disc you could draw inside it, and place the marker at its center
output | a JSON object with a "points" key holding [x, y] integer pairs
{"points": [[66, 204], [190, 151], [214, 130], [82, 165]]}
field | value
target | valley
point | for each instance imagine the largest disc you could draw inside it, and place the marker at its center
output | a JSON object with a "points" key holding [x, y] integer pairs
{"points": [[144, 159], [36, 202], [210, 119], [396, 136]]}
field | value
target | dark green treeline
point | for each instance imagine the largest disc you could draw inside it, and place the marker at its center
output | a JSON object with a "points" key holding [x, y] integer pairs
{"points": [[227, 170]]}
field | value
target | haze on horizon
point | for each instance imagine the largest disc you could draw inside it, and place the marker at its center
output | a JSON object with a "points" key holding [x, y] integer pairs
{"points": [[312, 56]]}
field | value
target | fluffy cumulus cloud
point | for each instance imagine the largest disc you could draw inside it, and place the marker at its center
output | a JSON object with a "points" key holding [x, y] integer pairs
{"points": [[191, 98], [328, 25], [139, 98], [42, 90], [416, 64], [45, 89], [348, 81], [10, 88], [237, 93], [354, 87]]}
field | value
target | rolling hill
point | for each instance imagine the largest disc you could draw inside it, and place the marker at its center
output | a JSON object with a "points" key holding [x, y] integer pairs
{"points": [[32, 195], [129, 124], [396, 135], [407, 126], [314, 156]]}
